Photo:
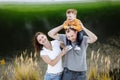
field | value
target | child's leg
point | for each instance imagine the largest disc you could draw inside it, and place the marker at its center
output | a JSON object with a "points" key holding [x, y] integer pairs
{"points": [[80, 37], [79, 40], [68, 44]]}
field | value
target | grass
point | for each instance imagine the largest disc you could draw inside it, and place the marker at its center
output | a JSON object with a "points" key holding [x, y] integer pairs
{"points": [[101, 66], [23, 68], [102, 58], [104, 63]]}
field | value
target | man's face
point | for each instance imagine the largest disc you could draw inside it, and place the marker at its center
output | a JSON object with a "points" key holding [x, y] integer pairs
{"points": [[71, 35], [70, 16]]}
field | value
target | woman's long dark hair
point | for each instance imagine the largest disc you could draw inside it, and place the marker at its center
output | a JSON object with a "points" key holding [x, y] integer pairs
{"points": [[37, 46]]}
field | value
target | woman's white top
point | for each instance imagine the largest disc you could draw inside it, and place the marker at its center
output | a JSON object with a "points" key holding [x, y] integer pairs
{"points": [[52, 54]]}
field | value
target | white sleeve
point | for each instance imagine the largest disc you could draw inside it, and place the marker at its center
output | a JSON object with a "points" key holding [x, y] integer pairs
{"points": [[57, 42], [43, 52]]}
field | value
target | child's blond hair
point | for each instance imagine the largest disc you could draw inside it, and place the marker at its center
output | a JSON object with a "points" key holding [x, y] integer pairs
{"points": [[74, 11]]}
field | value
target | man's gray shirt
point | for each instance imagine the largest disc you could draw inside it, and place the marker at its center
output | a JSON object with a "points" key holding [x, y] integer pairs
{"points": [[75, 60]]}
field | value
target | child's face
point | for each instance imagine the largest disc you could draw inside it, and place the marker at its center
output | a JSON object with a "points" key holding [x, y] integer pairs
{"points": [[71, 16]]}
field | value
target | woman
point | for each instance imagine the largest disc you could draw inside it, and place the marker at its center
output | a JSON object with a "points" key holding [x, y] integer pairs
{"points": [[51, 54]]}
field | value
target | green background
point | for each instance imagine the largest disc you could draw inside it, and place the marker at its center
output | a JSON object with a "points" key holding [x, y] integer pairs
{"points": [[19, 22]]}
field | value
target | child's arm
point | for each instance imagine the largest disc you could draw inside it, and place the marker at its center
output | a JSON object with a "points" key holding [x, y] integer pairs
{"points": [[65, 24], [77, 25]]}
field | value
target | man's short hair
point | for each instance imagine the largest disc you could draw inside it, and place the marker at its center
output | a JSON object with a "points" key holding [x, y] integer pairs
{"points": [[68, 30]]}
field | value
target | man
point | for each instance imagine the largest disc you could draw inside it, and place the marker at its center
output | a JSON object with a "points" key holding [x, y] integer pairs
{"points": [[75, 66]]}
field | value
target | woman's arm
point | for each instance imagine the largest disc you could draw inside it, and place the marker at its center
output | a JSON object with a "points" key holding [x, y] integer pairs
{"points": [[47, 60]]}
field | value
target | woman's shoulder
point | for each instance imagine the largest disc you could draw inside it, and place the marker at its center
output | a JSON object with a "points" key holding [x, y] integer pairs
{"points": [[43, 52], [55, 41]]}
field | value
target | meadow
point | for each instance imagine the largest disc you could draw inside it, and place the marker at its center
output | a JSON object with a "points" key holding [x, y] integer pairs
{"points": [[19, 22], [103, 64]]}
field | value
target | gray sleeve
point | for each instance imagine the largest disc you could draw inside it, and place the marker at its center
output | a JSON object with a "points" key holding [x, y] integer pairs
{"points": [[62, 37], [85, 38]]}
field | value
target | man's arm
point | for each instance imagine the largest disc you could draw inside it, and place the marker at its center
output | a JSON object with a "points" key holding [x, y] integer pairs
{"points": [[54, 32], [91, 36]]}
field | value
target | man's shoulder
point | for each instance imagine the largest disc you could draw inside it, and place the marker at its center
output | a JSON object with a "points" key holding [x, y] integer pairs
{"points": [[85, 37], [62, 35]]}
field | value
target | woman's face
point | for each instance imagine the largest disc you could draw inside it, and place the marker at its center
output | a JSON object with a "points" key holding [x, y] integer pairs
{"points": [[41, 39]]}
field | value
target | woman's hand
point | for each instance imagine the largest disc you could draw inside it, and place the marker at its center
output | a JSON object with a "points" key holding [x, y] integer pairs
{"points": [[64, 51]]}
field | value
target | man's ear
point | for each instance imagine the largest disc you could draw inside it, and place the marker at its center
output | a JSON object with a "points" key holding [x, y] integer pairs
{"points": [[76, 32]]}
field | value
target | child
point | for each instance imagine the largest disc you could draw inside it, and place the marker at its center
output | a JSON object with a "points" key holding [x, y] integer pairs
{"points": [[74, 23]]}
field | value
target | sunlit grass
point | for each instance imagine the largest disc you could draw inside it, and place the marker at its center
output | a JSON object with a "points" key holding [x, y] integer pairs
{"points": [[99, 67], [24, 67], [104, 64]]}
